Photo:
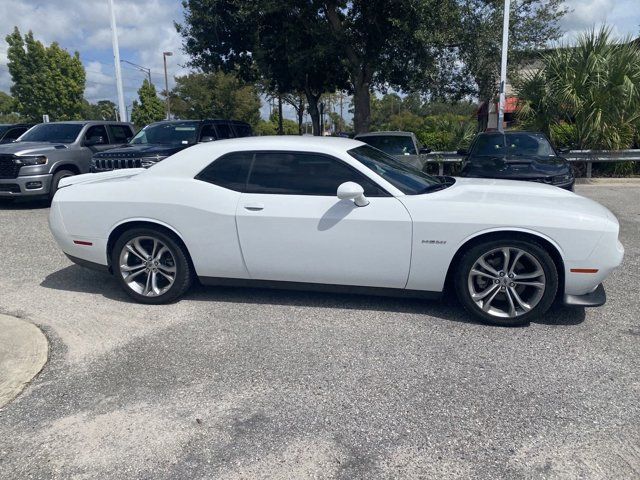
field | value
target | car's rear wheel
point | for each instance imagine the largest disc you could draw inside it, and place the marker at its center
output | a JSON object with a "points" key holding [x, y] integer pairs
{"points": [[507, 283], [152, 266]]}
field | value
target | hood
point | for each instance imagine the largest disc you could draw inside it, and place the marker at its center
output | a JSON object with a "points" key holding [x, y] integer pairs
{"points": [[516, 167], [30, 148], [547, 200], [146, 150]]}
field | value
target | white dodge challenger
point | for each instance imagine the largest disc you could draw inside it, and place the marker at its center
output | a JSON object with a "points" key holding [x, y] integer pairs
{"points": [[336, 214]]}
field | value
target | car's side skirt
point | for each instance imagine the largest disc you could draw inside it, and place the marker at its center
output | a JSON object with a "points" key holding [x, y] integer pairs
{"points": [[319, 287]]}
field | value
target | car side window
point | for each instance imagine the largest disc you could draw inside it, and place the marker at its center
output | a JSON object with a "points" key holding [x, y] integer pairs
{"points": [[120, 133], [14, 133], [242, 130], [95, 132], [229, 171], [224, 131], [208, 133], [298, 173]]}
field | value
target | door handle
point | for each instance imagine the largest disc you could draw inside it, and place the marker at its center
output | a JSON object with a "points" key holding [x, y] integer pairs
{"points": [[254, 207]]}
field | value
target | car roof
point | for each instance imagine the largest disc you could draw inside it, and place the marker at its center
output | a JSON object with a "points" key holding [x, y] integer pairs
{"points": [[208, 120], [193, 159], [90, 122], [393, 133]]}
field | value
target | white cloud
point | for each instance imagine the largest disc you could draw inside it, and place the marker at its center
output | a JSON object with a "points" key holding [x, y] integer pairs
{"points": [[145, 30], [623, 16]]}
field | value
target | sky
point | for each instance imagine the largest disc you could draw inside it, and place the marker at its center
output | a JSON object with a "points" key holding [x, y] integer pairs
{"points": [[146, 29]]}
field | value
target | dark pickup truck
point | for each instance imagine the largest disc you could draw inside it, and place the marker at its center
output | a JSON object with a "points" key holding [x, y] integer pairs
{"points": [[157, 141]]}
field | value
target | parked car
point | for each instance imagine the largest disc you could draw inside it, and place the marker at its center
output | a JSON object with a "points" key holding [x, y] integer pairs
{"points": [[517, 156], [34, 165], [337, 214], [398, 144], [157, 141], [9, 132]]}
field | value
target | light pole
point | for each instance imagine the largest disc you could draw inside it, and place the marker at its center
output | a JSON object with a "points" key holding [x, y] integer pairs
{"points": [[503, 66], [116, 61], [166, 81], [141, 68]]}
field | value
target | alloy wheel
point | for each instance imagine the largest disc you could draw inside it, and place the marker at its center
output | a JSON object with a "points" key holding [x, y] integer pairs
{"points": [[506, 282], [148, 266]]}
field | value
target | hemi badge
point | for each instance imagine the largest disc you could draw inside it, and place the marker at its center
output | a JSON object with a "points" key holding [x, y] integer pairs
{"points": [[82, 242], [584, 270]]}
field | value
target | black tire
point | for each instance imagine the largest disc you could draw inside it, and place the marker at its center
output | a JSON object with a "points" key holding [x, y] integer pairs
{"points": [[537, 251], [55, 181], [184, 273]]}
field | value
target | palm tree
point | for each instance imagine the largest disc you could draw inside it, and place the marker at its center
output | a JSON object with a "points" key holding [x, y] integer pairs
{"points": [[588, 95]]}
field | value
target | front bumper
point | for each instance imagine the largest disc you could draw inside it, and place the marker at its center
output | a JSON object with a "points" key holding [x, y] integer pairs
{"points": [[28, 185], [597, 298]]}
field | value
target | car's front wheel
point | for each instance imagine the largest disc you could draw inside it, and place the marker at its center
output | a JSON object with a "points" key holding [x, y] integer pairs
{"points": [[152, 266], [507, 283]]}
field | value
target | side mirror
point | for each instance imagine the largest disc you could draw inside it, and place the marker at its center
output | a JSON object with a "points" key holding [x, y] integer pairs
{"points": [[564, 150], [207, 139], [424, 150], [463, 152], [353, 191], [91, 141]]}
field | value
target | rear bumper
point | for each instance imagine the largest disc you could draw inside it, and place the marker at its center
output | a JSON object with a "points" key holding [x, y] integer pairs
{"points": [[90, 265], [24, 186], [597, 298]]}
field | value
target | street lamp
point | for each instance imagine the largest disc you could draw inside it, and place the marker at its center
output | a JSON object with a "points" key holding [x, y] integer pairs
{"points": [[140, 67], [166, 81]]}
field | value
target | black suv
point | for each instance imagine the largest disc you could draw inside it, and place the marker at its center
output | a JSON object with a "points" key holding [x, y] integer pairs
{"points": [[157, 141], [517, 156], [11, 131]]}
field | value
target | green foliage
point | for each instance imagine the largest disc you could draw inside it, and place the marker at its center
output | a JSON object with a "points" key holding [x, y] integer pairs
{"points": [[215, 95], [102, 110], [46, 80], [270, 127], [8, 109], [532, 25], [586, 96], [150, 108]]}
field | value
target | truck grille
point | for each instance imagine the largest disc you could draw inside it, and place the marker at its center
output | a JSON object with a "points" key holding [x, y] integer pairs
{"points": [[8, 167], [105, 164]]}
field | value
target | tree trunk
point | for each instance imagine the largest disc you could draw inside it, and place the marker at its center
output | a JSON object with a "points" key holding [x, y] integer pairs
{"points": [[280, 126], [362, 101], [300, 114], [312, 100]]}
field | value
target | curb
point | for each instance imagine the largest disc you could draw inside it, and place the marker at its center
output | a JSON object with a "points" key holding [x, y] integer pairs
{"points": [[23, 352], [623, 182]]}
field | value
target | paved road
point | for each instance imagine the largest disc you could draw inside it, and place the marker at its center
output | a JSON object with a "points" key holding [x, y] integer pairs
{"points": [[263, 384]]}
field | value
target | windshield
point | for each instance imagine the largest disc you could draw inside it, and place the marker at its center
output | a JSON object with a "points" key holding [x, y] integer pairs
{"points": [[514, 144], [175, 133], [405, 178], [52, 133], [391, 144]]}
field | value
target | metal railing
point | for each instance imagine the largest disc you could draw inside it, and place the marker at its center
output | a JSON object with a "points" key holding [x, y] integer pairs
{"points": [[589, 157]]}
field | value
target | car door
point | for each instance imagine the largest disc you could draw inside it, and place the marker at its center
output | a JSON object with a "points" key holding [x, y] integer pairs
{"points": [[292, 227]]}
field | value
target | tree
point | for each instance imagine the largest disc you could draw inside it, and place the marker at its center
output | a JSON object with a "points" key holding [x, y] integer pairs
{"points": [[587, 95], [390, 43], [102, 110], [215, 95], [46, 80], [8, 109], [282, 44], [150, 108], [532, 25]]}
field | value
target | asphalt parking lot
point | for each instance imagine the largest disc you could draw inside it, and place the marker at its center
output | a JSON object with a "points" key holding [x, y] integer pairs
{"points": [[232, 383]]}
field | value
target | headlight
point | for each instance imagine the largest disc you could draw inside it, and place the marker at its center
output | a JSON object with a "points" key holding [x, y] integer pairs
{"points": [[560, 179], [31, 160], [151, 161]]}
